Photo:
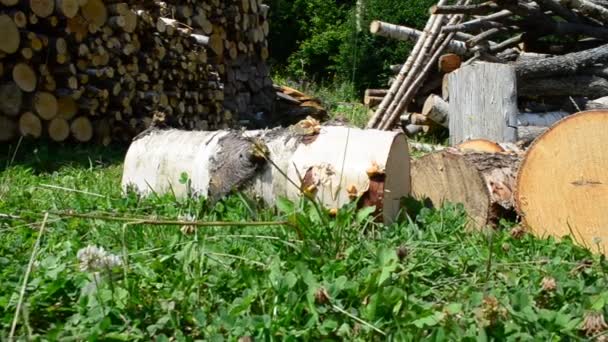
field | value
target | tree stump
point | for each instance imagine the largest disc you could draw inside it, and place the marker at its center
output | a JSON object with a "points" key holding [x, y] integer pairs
{"points": [[562, 186], [483, 182]]}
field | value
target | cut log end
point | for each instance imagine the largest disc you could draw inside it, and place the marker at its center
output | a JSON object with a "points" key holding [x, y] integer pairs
{"points": [[69, 8], [42, 8], [449, 62], [30, 125], [482, 182], [45, 105], [10, 35], [480, 145], [82, 129], [59, 129], [563, 184], [66, 107], [25, 77], [95, 13]]}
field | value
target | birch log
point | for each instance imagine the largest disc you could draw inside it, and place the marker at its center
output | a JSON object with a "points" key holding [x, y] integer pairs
{"points": [[562, 185], [483, 103], [437, 110], [409, 34], [337, 165]]}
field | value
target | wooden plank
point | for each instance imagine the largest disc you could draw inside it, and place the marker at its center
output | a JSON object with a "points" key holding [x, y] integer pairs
{"points": [[483, 103]]}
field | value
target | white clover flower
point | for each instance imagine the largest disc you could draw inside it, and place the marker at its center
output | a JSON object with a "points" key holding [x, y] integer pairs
{"points": [[93, 258]]}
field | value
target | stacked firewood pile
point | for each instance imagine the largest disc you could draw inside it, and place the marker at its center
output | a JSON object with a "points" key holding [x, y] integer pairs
{"points": [[85, 69], [559, 49]]}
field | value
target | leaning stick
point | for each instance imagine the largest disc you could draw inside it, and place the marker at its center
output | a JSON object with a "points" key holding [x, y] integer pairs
{"points": [[418, 62], [438, 47], [402, 74]]}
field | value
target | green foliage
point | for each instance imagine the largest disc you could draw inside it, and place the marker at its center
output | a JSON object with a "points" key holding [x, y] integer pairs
{"points": [[324, 278], [318, 39]]}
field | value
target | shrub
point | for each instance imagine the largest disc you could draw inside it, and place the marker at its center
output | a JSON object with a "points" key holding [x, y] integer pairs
{"points": [[318, 39]]}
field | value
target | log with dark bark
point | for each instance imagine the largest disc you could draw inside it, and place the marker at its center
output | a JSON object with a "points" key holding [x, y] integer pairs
{"points": [[582, 85], [567, 64], [483, 182]]}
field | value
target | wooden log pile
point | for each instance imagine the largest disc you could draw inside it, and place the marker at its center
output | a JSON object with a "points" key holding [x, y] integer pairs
{"points": [[559, 50], [505, 77], [87, 70]]}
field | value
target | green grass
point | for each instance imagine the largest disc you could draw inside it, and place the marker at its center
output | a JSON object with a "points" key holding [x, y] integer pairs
{"points": [[342, 278]]}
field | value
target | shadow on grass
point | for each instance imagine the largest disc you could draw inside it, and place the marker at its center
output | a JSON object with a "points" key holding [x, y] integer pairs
{"points": [[44, 156]]}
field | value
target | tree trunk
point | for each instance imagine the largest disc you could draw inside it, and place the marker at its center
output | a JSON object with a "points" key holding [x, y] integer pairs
{"points": [[540, 119], [409, 34], [437, 110], [45, 105], [25, 77], [483, 103], [30, 125], [579, 85], [59, 129], [567, 64], [336, 165], [562, 184], [589, 9], [82, 129], [449, 62], [10, 35], [483, 182], [601, 103]]}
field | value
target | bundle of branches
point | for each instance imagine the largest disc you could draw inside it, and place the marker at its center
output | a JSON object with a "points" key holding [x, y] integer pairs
{"points": [[83, 69], [559, 50]]}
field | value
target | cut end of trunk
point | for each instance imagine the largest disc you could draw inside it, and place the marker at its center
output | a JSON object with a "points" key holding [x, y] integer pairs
{"points": [[95, 13], [45, 105], [10, 35], [482, 182], [25, 77], [374, 27], [42, 8], [69, 8], [449, 62], [30, 125], [66, 107], [480, 145], [59, 129], [563, 184], [82, 129]]}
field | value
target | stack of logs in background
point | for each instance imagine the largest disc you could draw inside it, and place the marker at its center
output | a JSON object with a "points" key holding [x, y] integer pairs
{"points": [[95, 70], [559, 49]]}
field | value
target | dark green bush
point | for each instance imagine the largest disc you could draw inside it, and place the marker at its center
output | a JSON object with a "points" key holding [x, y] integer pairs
{"points": [[318, 40]]}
